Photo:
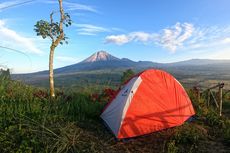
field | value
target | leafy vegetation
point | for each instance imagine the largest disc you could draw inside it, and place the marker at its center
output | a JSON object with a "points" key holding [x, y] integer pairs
{"points": [[31, 123], [127, 75], [4, 74]]}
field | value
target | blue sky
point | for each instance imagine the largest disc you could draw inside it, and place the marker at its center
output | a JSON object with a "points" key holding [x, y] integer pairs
{"points": [[152, 30]]}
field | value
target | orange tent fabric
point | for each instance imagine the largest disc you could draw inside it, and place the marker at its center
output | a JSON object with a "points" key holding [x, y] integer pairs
{"points": [[149, 102]]}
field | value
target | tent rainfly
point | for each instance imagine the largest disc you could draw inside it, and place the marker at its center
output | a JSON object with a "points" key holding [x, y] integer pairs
{"points": [[151, 101]]}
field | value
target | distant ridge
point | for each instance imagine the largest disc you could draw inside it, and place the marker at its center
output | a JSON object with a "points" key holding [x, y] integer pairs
{"points": [[200, 62]]}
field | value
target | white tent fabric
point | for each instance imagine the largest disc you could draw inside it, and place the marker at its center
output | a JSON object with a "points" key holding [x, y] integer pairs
{"points": [[115, 112]]}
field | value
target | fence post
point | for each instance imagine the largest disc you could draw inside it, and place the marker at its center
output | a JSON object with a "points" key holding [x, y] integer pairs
{"points": [[197, 92], [221, 85], [209, 94]]}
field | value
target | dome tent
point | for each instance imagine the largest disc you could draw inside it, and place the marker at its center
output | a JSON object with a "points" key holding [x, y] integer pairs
{"points": [[151, 101]]}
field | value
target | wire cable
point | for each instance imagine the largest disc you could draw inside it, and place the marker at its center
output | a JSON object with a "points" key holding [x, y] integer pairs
{"points": [[20, 52], [17, 4]]}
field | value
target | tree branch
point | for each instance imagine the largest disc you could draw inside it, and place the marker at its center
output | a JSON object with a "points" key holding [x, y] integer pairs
{"points": [[50, 31], [62, 18]]}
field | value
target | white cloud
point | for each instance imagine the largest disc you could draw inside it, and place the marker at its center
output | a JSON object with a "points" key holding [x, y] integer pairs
{"points": [[11, 38], [206, 38], [117, 39], [174, 37], [226, 41], [181, 36], [170, 38], [140, 36], [76, 6], [66, 59], [123, 39], [2, 23], [89, 29]]}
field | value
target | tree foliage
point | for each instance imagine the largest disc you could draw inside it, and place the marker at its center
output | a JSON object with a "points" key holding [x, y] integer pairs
{"points": [[52, 29], [127, 75], [4, 74]]}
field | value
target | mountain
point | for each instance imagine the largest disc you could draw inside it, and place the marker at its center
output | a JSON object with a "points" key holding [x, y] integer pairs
{"points": [[100, 56], [101, 67], [102, 60]]}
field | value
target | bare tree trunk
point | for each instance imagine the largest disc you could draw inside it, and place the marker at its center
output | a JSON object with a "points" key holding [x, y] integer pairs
{"points": [[51, 74], [53, 46]]}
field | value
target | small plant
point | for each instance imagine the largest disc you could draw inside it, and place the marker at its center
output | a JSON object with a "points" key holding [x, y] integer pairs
{"points": [[171, 147], [188, 136], [213, 119], [226, 131]]}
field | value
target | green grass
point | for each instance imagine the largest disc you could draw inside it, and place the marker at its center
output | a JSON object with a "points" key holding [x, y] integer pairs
{"points": [[31, 123]]}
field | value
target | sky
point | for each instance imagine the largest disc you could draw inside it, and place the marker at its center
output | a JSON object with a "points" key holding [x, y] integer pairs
{"points": [[141, 30]]}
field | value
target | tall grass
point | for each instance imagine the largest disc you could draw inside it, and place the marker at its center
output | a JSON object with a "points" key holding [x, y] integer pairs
{"points": [[27, 117]]}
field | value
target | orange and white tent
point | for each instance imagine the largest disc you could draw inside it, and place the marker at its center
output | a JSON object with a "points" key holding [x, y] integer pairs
{"points": [[151, 101]]}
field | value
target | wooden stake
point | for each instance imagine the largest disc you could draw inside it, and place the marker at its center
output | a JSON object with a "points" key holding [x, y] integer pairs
{"points": [[197, 92], [221, 97], [209, 94], [214, 99]]}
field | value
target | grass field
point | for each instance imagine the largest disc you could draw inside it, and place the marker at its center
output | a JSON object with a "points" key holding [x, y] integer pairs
{"points": [[30, 122]]}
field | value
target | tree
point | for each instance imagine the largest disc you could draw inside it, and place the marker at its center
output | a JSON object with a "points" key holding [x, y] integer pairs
{"points": [[5, 74], [54, 31], [127, 75]]}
